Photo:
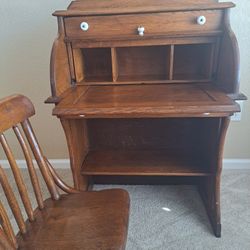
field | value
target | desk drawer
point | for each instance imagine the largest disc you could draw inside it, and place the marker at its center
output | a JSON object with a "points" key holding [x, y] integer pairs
{"points": [[118, 26]]}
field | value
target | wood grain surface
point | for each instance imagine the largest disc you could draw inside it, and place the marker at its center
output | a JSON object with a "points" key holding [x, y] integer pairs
{"points": [[149, 106], [75, 220], [186, 100], [89, 7], [143, 162], [126, 25]]}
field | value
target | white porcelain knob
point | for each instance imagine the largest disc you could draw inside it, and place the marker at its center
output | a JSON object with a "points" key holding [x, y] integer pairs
{"points": [[141, 30], [201, 20], [84, 26]]}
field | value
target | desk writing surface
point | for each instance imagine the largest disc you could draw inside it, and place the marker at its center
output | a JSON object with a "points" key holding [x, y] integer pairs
{"points": [[163, 100]]}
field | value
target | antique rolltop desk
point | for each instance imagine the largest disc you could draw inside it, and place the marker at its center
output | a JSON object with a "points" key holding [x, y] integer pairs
{"points": [[145, 89]]}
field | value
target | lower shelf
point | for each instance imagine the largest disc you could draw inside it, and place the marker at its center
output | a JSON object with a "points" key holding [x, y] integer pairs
{"points": [[143, 163]]}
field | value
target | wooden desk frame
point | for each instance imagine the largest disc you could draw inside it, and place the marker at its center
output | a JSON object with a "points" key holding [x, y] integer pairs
{"points": [[153, 104]]}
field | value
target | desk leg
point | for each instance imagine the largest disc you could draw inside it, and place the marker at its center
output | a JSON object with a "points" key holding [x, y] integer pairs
{"points": [[210, 186], [77, 139]]}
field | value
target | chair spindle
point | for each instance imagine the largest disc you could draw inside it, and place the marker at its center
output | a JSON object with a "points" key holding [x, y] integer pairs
{"points": [[12, 201], [27, 128], [18, 178], [7, 228], [30, 165]]}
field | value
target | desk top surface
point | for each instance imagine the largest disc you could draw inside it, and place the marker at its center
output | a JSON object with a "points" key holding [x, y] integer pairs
{"points": [[161, 100], [107, 7]]}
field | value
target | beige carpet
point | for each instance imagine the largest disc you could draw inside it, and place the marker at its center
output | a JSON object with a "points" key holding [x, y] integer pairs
{"points": [[173, 217]]}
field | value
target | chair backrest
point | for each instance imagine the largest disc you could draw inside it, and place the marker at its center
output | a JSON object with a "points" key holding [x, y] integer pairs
{"points": [[14, 114]]}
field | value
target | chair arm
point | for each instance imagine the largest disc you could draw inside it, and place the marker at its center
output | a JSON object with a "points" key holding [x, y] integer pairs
{"points": [[59, 182]]}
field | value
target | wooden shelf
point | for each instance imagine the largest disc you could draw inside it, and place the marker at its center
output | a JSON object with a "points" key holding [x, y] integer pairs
{"points": [[191, 77], [141, 78], [97, 79], [143, 162], [122, 80]]}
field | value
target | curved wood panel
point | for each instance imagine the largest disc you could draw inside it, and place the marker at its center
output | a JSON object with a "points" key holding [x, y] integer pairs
{"points": [[229, 60], [60, 78], [210, 186], [14, 109]]}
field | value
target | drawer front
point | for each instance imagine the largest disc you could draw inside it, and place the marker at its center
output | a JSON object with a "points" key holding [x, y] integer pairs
{"points": [[118, 26]]}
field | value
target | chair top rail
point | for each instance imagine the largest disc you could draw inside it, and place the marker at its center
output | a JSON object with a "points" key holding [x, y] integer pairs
{"points": [[13, 110]]}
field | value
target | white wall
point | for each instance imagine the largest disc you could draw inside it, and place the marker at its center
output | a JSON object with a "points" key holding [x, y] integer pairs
{"points": [[27, 31]]}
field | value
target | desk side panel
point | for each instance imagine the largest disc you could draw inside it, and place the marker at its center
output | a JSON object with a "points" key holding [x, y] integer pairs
{"points": [[60, 78], [229, 60]]}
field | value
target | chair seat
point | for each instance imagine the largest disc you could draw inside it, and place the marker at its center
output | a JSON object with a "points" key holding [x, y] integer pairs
{"points": [[88, 220]]}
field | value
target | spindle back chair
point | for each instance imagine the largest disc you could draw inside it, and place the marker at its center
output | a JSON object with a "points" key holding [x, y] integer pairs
{"points": [[77, 219]]}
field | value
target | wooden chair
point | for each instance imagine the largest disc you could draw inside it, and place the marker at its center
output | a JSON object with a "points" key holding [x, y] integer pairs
{"points": [[75, 220]]}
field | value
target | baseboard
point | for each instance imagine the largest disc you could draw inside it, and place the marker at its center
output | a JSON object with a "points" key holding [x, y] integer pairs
{"points": [[56, 163], [65, 164], [236, 164]]}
